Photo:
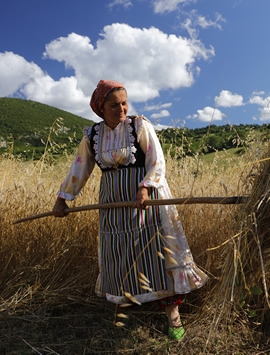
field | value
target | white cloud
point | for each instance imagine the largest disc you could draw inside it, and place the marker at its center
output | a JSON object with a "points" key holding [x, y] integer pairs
{"points": [[194, 21], [124, 3], [163, 113], [257, 93], [63, 94], [258, 99], [158, 62], [265, 114], [206, 23], [157, 107], [18, 75], [167, 60], [208, 114], [237, 3], [227, 99], [262, 100], [15, 72], [161, 6], [159, 127]]}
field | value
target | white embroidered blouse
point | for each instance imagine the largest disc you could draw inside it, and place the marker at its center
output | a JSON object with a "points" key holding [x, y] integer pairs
{"points": [[115, 147]]}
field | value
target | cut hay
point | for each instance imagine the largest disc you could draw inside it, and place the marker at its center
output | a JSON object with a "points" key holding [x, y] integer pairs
{"points": [[240, 300]]}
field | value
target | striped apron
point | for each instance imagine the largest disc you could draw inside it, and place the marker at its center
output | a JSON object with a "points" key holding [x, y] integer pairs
{"points": [[130, 239]]}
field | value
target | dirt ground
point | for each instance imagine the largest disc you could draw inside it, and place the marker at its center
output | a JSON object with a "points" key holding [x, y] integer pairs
{"points": [[88, 327]]}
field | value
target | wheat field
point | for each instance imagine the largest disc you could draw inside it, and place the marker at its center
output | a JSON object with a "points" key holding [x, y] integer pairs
{"points": [[49, 266]]}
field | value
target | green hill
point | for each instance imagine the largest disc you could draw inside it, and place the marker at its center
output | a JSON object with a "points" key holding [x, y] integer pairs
{"points": [[27, 125], [212, 138], [27, 128]]}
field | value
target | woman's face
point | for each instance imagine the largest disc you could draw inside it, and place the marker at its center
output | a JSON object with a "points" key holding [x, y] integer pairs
{"points": [[115, 108]]}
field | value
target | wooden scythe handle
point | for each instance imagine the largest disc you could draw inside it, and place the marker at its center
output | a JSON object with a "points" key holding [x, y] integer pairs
{"points": [[233, 200]]}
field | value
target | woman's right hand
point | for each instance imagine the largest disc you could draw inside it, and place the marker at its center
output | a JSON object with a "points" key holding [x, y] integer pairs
{"points": [[59, 207], [142, 195]]}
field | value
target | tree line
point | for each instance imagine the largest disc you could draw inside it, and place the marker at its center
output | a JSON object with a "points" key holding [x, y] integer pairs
{"points": [[212, 138]]}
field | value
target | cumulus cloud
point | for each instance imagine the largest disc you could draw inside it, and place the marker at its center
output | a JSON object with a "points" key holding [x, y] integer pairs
{"points": [[228, 99], [158, 61], [15, 72], [63, 94], [26, 79], [259, 99], [208, 114], [146, 61], [262, 100], [163, 113], [159, 127], [264, 114]]}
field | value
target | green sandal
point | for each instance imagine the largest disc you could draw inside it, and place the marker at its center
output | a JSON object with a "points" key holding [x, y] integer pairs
{"points": [[176, 333]]}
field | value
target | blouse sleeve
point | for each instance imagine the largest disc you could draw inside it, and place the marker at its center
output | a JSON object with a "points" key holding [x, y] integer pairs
{"points": [[79, 171], [154, 158]]}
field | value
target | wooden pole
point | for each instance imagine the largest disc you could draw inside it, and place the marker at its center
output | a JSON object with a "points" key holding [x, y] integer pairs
{"points": [[233, 200]]}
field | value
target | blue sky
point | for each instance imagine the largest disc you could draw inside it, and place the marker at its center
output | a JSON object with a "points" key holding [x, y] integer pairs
{"points": [[184, 62]]}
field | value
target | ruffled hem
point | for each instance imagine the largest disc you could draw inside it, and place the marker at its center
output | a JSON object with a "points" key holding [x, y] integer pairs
{"points": [[185, 280], [180, 282], [147, 297]]}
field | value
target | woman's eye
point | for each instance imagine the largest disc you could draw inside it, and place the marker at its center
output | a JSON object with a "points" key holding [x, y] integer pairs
{"points": [[114, 106]]}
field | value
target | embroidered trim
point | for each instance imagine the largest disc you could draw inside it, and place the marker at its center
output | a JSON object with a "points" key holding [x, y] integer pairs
{"points": [[99, 146]]}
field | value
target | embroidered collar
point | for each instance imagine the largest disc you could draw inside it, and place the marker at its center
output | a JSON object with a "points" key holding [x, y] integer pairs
{"points": [[123, 133]]}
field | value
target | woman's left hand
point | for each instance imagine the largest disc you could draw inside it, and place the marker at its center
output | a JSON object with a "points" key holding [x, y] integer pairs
{"points": [[142, 195]]}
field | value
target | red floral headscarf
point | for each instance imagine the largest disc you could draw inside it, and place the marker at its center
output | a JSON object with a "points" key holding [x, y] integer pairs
{"points": [[101, 92]]}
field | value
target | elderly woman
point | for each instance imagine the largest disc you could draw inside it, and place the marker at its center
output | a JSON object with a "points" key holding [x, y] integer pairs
{"points": [[143, 252]]}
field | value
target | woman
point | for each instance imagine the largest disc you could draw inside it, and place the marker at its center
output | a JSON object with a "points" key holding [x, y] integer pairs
{"points": [[143, 253]]}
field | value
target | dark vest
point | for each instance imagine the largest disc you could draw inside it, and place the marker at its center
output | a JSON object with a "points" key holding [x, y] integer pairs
{"points": [[139, 154]]}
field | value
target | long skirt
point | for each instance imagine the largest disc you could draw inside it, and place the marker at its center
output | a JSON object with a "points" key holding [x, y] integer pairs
{"points": [[138, 255]]}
